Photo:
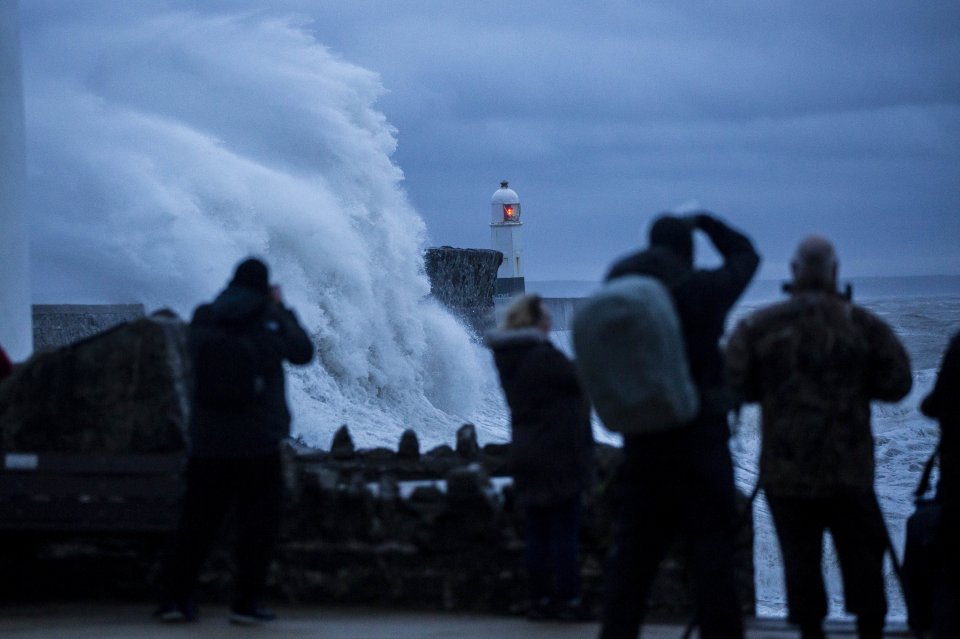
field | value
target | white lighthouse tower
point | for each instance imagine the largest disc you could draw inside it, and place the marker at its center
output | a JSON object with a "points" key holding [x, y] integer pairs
{"points": [[505, 237]]}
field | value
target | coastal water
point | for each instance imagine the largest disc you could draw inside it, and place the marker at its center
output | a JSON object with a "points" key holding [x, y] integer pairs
{"points": [[924, 312]]}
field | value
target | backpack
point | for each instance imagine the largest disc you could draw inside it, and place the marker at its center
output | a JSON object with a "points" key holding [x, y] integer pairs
{"points": [[227, 370], [631, 357], [922, 554]]}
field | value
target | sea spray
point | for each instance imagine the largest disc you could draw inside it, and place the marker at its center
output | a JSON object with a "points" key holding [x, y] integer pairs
{"points": [[165, 148]]}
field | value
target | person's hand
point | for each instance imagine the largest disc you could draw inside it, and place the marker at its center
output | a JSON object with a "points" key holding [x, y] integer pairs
{"points": [[691, 221], [698, 219]]}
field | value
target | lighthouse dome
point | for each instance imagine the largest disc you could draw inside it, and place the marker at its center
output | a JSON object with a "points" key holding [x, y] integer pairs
{"points": [[505, 195], [505, 205]]}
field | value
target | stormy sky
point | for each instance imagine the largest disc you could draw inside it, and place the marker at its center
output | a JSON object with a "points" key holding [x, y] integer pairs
{"points": [[786, 118]]}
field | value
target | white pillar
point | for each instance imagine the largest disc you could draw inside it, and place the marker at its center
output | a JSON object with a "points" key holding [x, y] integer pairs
{"points": [[16, 333], [505, 227]]}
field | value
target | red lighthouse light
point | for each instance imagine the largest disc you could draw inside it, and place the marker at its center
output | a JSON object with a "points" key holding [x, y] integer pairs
{"points": [[511, 212]]}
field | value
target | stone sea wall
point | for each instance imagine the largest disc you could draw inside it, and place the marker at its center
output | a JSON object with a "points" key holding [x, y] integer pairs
{"points": [[386, 526], [382, 527], [464, 280]]}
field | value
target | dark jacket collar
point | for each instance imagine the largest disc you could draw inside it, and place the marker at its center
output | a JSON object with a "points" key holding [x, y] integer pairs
{"points": [[656, 261], [499, 338], [238, 303]]}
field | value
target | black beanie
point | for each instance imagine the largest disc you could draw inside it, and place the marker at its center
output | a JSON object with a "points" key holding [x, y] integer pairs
{"points": [[673, 233], [252, 274]]}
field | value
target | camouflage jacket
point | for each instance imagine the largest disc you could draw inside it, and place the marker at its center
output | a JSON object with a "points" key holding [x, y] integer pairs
{"points": [[814, 363]]}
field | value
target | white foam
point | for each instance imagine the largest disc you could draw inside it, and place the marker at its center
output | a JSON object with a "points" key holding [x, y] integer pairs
{"points": [[165, 148]]}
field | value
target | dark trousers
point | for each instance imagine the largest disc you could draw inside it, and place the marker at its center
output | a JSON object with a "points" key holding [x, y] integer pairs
{"points": [[253, 487], [946, 585], [676, 484], [859, 536], [551, 551]]}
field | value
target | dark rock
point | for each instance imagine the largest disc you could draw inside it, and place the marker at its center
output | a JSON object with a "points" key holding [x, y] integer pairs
{"points": [[409, 445], [441, 451], [464, 280], [388, 489], [121, 391], [426, 495], [467, 446], [468, 484], [379, 453], [472, 514], [496, 450], [342, 446], [496, 459]]}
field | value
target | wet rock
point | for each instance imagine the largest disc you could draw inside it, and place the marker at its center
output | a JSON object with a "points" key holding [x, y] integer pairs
{"points": [[464, 280], [467, 446], [342, 446], [379, 453], [441, 451], [409, 445]]}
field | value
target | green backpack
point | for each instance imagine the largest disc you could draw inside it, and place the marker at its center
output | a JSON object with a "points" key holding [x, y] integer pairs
{"points": [[631, 357]]}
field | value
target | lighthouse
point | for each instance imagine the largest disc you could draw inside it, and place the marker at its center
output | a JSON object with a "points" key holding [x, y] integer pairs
{"points": [[505, 228]]}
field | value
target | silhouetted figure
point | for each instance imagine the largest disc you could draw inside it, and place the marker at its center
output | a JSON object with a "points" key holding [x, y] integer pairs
{"points": [[814, 363], [238, 419], [551, 454], [680, 482], [943, 403], [6, 366]]}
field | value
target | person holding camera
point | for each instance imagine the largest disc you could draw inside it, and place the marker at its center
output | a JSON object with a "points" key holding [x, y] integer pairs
{"points": [[943, 404], [679, 483], [551, 454], [814, 363], [6, 366], [238, 420]]}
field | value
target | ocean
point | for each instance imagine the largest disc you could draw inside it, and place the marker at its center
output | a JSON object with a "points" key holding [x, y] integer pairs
{"points": [[924, 312]]}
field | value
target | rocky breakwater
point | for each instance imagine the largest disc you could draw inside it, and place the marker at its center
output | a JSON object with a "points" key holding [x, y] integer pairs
{"points": [[464, 281]]}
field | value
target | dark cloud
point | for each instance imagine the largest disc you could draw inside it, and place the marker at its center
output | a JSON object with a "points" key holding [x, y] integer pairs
{"points": [[840, 118]]}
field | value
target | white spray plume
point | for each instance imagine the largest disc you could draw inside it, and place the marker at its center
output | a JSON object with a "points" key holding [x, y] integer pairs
{"points": [[165, 149]]}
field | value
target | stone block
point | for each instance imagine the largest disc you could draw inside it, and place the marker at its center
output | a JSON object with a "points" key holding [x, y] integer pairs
{"points": [[121, 391], [57, 325], [464, 281]]}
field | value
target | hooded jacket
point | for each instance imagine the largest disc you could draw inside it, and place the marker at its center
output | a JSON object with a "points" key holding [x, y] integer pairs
{"points": [[703, 298], [551, 451], [943, 403], [814, 363], [259, 428]]}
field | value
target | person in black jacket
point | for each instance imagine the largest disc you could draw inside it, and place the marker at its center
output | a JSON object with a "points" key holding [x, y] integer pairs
{"points": [[551, 453], [680, 482], [234, 455], [6, 366], [943, 403]]}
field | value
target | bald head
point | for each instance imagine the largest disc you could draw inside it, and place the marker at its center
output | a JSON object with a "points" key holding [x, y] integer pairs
{"points": [[814, 264]]}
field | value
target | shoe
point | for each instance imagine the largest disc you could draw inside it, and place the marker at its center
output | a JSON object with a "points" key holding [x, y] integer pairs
{"points": [[251, 616], [573, 610], [174, 612]]}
